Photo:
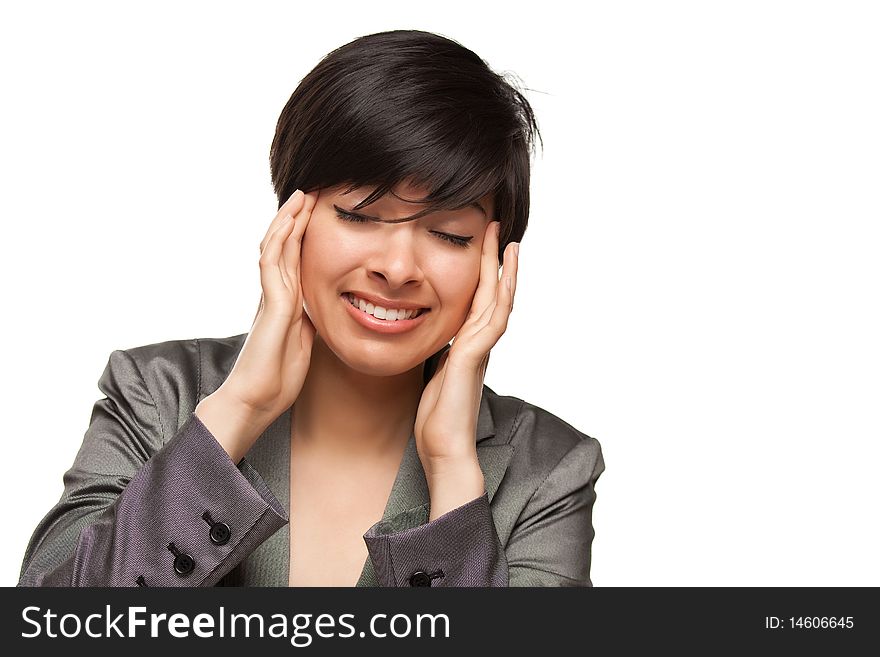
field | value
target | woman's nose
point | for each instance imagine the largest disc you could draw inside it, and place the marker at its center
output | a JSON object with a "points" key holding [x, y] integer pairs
{"points": [[395, 258]]}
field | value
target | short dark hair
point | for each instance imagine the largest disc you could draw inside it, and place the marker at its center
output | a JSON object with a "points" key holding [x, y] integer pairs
{"points": [[408, 105]]}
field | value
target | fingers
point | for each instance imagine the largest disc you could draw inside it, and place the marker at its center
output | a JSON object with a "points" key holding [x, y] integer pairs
{"points": [[279, 267], [486, 289], [293, 244], [273, 283], [493, 300], [291, 207], [514, 272], [497, 312], [506, 290]]}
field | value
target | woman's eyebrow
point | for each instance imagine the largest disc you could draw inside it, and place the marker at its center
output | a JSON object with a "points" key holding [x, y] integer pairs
{"points": [[418, 215]]}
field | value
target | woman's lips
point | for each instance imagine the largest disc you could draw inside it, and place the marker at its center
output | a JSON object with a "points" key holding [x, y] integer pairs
{"points": [[382, 325]]}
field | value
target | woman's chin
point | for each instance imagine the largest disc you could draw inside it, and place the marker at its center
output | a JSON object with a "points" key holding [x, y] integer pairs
{"points": [[381, 362]]}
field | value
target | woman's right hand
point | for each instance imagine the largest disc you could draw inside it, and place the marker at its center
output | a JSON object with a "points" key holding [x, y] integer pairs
{"points": [[271, 368]]}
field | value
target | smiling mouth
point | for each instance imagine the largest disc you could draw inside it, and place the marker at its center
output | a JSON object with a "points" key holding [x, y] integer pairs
{"points": [[384, 314]]}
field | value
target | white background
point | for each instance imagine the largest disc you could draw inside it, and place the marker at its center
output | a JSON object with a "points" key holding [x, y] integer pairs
{"points": [[697, 288]]}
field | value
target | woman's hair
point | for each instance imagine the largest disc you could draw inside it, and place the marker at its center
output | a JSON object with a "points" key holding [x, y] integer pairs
{"points": [[409, 106]]}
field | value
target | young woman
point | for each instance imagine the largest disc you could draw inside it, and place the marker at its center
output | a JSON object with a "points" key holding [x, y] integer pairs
{"points": [[348, 438]]}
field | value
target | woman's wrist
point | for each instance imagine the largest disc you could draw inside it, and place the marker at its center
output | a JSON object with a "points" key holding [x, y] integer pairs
{"points": [[234, 426], [453, 486]]}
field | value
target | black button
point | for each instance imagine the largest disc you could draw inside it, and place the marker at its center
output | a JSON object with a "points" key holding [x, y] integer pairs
{"points": [[420, 578], [220, 533], [184, 564]]}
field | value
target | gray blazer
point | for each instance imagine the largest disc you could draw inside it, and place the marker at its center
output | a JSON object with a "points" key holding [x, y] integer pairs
{"points": [[153, 500]]}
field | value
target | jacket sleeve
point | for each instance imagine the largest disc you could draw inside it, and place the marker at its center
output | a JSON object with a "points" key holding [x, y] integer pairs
{"points": [[550, 544], [459, 548], [135, 511]]}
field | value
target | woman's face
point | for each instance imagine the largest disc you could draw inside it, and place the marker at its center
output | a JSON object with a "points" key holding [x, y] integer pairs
{"points": [[412, 263]]}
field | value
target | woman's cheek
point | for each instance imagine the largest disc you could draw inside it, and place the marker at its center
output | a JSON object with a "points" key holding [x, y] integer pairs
{"points": [[462, 280], [321, 247], [458, 300]]}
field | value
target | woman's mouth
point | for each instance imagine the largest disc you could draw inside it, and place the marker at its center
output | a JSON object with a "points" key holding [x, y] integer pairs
{"points": [[383, 320], [387, 314]]}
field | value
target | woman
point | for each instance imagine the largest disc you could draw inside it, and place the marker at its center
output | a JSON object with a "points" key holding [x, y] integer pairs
{"points": [[348, 438]]}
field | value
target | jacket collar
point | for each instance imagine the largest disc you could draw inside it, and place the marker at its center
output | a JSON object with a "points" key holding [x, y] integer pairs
{"points": [[407, 506]]}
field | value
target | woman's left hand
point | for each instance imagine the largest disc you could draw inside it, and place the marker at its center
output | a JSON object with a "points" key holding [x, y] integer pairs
{"points": [[446, 420]]}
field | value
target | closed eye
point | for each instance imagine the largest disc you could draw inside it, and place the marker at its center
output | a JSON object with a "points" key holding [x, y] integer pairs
{"points": [[456, 240]]}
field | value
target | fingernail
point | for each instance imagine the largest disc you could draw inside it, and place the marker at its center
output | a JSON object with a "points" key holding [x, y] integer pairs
{"points": [[297, 193], [516, 249]]}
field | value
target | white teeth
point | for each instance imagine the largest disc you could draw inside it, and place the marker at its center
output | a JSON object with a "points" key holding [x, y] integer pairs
{"points": [[389, 315]]}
